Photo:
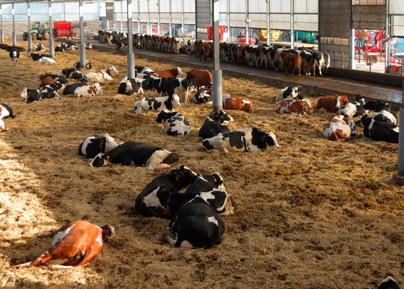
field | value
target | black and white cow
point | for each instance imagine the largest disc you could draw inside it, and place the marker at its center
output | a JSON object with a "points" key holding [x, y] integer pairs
{"points": [[71, 88], [138, 154], [5, 112], [157, 104], [388, 283], [155, 197], [249, 139], [171, 86], [40, 47], [93, 145], [203, 95], [143, 70], [14, 54], [377, 105], [353, 109], [215, 124], [174, 123], [130, 86], [385, 116], [30, 95], [379, 130], [291, 93], [51, 91], [196, 225], [73, 73]]}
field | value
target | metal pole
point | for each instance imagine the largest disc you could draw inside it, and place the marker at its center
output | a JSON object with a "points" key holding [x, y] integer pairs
{"points": [[121, 18], [1, 24], [159, 17], [29, 27], [292, 23], [138, 16], [149, 30], [217, 73], [14, 30], [131, 57], [387, 44], [247, 23], [352, 47], [228, 21], [400, 175], [83, 60], [268, 22], [64, 11], [182, 18], [171, 17], [51, 41]]}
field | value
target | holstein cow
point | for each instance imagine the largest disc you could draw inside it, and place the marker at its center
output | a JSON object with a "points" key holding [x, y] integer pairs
{"points": [[40, 47], [93, 145], [29, 95], [154, 198], [353, 109], [130, 86], [138, 154], [36, 56], [144, 70], [103, 75], [215, 124], [290, 92], [157, 104], [337, 129], [379, 130], [174, 123], [385, 116], [196, 225], [5, 112], [249, 139], [170, 86], [237, 103], [298, 107], [71, 88], [169, 73], [203, 95], [88, 90], [14, 54], [202, 77], [332, 103], [388, 283], [377, 105], [73, 73], [75, 244]]}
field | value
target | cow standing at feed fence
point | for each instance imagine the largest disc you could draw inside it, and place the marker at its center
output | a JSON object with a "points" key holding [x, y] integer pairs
{"points": [[157, 104], [76, 243], [215, 124], [249, 140], [138, 154], [5, 112], [174, 123], [93, 145]]}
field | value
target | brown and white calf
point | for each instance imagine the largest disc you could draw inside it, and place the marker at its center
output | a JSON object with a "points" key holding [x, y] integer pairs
{"points": [[237, 103], [298, 107], [332, 102], [337, 129]]}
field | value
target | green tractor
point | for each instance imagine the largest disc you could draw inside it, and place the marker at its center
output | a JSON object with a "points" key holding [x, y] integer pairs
{"points": [[39, 31]]}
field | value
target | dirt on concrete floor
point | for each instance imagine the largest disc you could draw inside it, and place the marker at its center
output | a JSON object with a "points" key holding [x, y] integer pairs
{"points": [[313, 214]]}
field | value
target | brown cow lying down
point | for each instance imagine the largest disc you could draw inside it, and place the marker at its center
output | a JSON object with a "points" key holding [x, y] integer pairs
{"points": [[337, 129], [332, 102], [298, 107], [237, 103]]}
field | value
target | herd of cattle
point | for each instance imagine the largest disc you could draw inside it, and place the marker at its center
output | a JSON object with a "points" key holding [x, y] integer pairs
{"points": [[193, 202], [278, 58]]}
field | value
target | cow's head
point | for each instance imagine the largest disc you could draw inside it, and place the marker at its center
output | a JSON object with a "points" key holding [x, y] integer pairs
{"points": [[99, 160], [107, 231], [247, 105], [271, 140], [222, 117], [171, 158], [183, 176], [164, 115]]}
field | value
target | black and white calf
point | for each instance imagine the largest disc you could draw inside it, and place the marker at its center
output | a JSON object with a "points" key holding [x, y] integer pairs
{"points": [[155, 197], [5, 112], [73, 73], [291, 93], [249, 139], [196, 225], [377, 105], [130, 86], [144, 70], [353, 109], [379, 130], [14, 54], [93, 145], [157, 104], [30, 95], [388, 283], [138, 154], [385, 116], [48, 91], [171, 86], [203, 95], [215, 124], [174, 123], [71, 88]]}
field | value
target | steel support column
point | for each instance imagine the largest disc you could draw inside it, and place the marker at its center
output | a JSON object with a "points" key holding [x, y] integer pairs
{"points": [[268, 22], [83, 60], [51, 40], [247, 22], [14, 29], [131, 57], [292, 23], [29, 27], [1, 24], [217, 73], [171, 17]]}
